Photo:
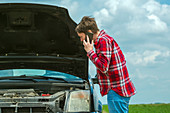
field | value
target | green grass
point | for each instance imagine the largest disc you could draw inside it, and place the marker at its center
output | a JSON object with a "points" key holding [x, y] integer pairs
{"points": [[145, 108], [105, 109]]}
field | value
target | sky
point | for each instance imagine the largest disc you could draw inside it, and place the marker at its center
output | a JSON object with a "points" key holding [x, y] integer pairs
{"points": [[142, 30]]}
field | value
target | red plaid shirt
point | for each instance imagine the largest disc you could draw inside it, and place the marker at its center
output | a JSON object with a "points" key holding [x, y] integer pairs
{"points": [[111, 66]]}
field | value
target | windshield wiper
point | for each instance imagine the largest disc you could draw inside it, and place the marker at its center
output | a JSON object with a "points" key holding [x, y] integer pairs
{"points": [[47, 78], [31, 78], [22, 77]]}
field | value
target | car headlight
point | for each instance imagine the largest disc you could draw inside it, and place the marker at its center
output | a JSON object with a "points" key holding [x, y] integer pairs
{"points": [[79, 101]]}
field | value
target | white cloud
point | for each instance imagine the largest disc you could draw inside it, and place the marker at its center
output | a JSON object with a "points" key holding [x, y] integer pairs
{"points": [[105, 13], [166, 54], [148, 24], [152, 6], [150, 56], [147, 57], [158, 25], [72, 6], [113, 5], [133, 16]]}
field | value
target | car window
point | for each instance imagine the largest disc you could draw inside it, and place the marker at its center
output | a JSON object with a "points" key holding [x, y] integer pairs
{"points": [[36, 72]]}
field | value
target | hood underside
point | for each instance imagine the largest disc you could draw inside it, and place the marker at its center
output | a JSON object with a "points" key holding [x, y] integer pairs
{"points": [[35, 36]]}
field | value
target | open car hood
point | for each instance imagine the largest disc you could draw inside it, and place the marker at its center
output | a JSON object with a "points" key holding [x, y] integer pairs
{"points": [[35, 36]]}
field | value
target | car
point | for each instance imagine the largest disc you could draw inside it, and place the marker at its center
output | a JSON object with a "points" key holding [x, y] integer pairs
{"points": [[43, 65]]}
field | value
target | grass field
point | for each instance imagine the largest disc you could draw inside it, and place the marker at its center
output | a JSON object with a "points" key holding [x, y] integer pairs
{"points": [[145, 108]]}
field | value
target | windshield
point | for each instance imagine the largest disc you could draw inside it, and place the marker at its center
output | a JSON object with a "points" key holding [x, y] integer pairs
{"points": [[37, 72]]}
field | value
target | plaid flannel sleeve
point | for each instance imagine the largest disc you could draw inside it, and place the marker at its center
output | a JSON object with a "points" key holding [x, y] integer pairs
{"points": [[102, 58]]}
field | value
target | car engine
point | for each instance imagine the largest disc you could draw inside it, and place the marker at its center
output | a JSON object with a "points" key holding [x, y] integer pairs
{"points": [[29, 101]]}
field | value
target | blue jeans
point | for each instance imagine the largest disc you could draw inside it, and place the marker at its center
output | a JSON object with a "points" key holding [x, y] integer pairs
{"points": [[117, 103]]}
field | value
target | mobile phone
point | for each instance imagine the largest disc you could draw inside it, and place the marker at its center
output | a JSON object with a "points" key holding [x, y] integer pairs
{"points": [[90, 35]]}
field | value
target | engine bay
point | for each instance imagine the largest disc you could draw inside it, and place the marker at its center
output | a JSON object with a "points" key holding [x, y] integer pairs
{"points": [[35, 99]]}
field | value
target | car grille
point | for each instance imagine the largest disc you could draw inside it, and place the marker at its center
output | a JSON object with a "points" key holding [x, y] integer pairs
{"points": [[24, 110]]}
